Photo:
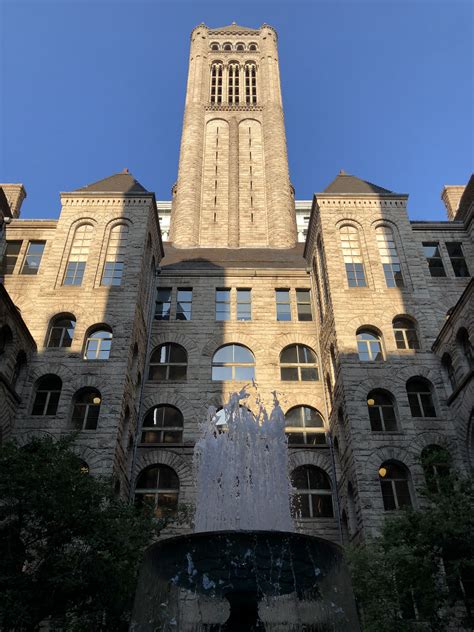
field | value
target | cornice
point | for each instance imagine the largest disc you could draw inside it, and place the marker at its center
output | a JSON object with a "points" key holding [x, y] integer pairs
{"points": [[106, 199], [230, 107]]}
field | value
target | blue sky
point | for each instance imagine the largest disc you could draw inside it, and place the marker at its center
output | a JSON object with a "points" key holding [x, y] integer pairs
{"points": [[381, 89]]}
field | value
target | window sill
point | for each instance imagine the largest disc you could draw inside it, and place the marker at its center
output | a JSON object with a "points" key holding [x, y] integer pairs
{"points": [[166, 381], [299, 446], [166, 445], [395, 433], [309, 520]]}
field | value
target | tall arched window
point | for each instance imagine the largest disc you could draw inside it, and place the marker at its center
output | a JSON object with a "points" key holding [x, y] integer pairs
{"points": [[251, 83], [448, 368], [98, 343], [313, 497], [435, 461], [462, 339], [420, 397], [395, 485], [369, 346], [86, 409], [389, 257], [163, 424], [61, 331], [115, 256], [352, 255], [233, 79], [47, 394], [78, 254], [404, 330], [305, 425], [216, 82], [158, 486], [298, 363], [169, 361], [233, 362], [381, 407]]}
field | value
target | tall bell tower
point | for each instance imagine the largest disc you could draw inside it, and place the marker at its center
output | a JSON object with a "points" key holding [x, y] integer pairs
{"points": [[233, 186]]}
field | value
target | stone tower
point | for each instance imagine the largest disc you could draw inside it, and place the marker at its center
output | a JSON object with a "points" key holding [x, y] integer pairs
{"points": [[233, 186]]}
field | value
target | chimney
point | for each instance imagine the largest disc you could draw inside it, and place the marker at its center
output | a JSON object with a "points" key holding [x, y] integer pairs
{"points": [[15, 194], [451, 196]]}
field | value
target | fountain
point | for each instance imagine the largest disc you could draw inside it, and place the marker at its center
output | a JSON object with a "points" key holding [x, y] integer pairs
{"points": [[244, 568]]}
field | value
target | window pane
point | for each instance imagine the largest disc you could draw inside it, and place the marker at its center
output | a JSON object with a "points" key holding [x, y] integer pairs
{"points": [[33, 257], [400, 339], [414, 405], [177, 353], [375, 418], [157, 373], [427, 403], [223, 295], [387, 495], [221, 373], [289, 374], [403, 493], [309, 375], [224, 354], [10, 256], [39, 403], [322, 506], [315, 438], [302, 505], [289, 355], [241, 354], [52, 403], [244, 372], [304, 312], [177, 372]]}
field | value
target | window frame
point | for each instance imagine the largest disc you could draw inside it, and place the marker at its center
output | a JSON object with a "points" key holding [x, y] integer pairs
{"points": [[379, 407], [219, 302], [306, 431], [180, 311], [233, 365], [161, 429], [280, 302], [411, 395], [312, 492], [7, 267], [25, 263], [301, 315], [432, 259], [389, 257], [352, 256], [140, 493], [49, 393], [365, 331], [87, 406], [403, 332], [114, 260], [53, 326], [167, 364], [394, 488], [299, 365], [459, 260], [73, 262], [100, 329], [242, 303]]}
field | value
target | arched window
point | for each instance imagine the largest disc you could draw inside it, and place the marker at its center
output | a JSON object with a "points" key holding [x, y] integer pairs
{"points": [[298, 363], [240, 48], [305, 425], [448, 368], [86, 409], [436, 466], [389, 257], [115, 256], [466, 347], [420, 397], [214, 46], [227, 47], [6, 338], [253, 47], [233, 362], [169, 361], [83, 467], [352, 255], [233, 78], [78, 254], [313, 497], [394, 482], [369, 346], [98, 344], [158, 486], [61, 331], [381, 407], [404, 330], [47, 394], [250, 83], [163, 424], [216, 82]]}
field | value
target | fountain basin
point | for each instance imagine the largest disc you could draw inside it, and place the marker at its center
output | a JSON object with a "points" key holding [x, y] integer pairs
{"points": [[247, 580]]}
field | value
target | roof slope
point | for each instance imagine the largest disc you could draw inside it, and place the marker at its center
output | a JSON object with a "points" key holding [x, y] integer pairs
{"points": [[231, 28], [118, 183], [345, 183]]}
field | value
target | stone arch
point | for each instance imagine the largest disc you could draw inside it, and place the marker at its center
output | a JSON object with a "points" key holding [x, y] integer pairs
{"points": [[164, 457], [171, 397], [180, 339], [395, 388], [310, 400], [310, 457], [90, 456], [218, 341]]}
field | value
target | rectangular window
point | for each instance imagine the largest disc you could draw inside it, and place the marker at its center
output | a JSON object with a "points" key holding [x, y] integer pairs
{"points": [[355, 275], [244, 304], [283, 304], [184, 301], [33, 257], [112, 274], [303, 303], [222, 304], [74, 273], [389, 256], [163, 304], [458, 261], [11, 255], [433, 258], [352, 254]]}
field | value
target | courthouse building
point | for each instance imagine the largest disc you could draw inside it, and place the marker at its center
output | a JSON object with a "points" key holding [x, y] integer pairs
{"points": [[127, 332]]}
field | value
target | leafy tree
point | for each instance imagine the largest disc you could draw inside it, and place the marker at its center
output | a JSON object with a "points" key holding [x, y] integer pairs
{"points": [[418, 575], [69, 548]]}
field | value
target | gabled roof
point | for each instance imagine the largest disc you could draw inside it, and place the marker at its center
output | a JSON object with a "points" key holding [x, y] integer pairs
{"points": [[344, 183], [118, 183], [233, 28]]}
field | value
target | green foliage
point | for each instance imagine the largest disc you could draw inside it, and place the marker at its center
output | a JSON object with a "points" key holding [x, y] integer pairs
{"points": [[422, 562], [69, 548]]}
